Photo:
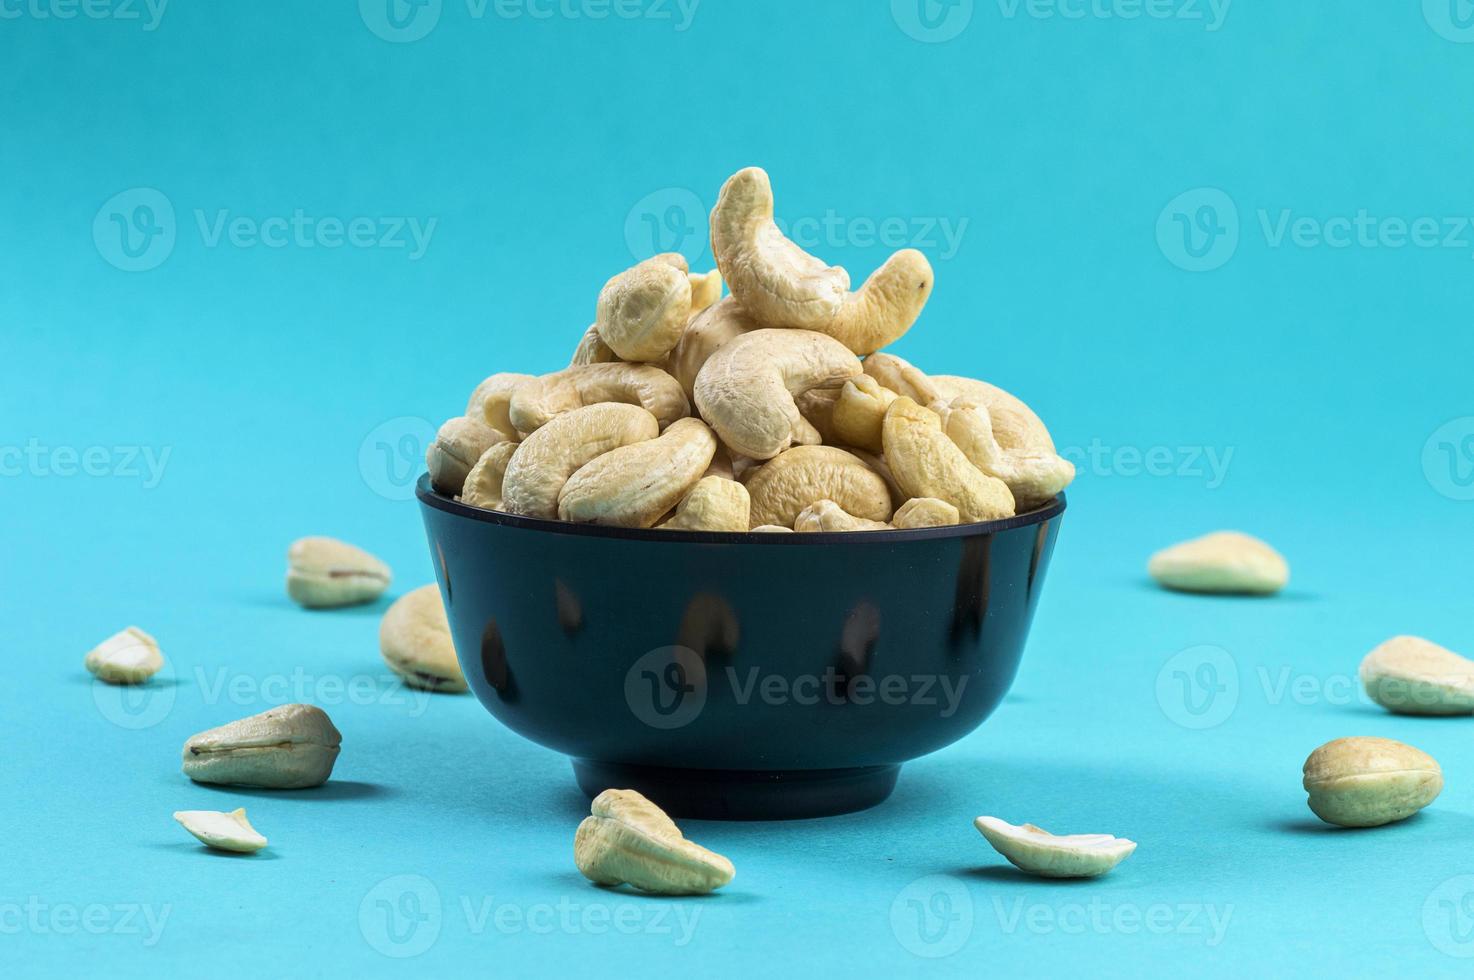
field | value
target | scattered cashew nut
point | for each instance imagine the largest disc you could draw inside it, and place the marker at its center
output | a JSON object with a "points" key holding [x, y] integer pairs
{"points": [[1228, 562], [128, 657], [1368, 782], [323, 573], [627, 840], [222, 831], [1037, 851], [290, 747], [1412, 676], [414, 638]]}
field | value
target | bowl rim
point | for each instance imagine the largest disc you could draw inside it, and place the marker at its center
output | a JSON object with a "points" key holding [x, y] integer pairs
{"points": [[429, 497]]}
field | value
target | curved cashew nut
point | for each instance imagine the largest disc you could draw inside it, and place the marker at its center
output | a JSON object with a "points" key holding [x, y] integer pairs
{"points": [[646, 385], [714, 504], [928, 464], [784, 286], [592, 350], [859, 412], [708, 331], [635, 485], [826, 515], [1015, 425], [926, 512], [457, 446], [484, 483], [746, 389], [903, 378], [491, 398], [643, 310], [1033, 478], [706, 289], [770, 528], [805, 474], [877, 464], [547, 458], [817, 408]]}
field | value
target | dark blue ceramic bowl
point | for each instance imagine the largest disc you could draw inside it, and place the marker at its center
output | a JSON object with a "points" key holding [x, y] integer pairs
{"points": [[738, 676]]}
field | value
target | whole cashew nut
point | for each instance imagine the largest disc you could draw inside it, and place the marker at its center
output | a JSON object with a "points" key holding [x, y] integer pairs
{"points": [[490, 400], [542, 399], [746, 389], [706, 289], [643, 310], [903, 378], [806, 474], [926, 463], [592, 350], [1015, 425], [709, 330], [457, 446], [1032, 477], [784, 286], [547, 458], [484, 483], [859, 412], [826, 515], [714, 504], [634, 486], [926, 512]]}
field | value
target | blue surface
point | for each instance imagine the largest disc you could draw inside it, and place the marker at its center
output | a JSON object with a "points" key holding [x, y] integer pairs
{"points": [[1071, 153]]}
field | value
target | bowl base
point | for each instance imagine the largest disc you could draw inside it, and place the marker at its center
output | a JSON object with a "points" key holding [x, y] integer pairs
{"points": [[737, 794]]}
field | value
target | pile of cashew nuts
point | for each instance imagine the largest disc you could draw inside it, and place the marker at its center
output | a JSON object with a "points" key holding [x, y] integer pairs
{"points": [[688, 411]]}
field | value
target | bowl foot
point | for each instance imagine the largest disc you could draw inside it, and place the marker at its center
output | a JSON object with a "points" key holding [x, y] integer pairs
{"points": [[734, 794]]}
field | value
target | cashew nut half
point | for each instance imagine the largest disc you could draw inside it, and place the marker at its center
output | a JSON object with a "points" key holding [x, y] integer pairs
{"points": [[708, 331], [547, 458], [714, 504], [629, 840], [806, 474], [643, 310], [1037, 851], [634, 486], [491, 398], [926, 512], [926, 463], [645, 385], [784, 286], [826, 515], [746, 389], [1032, 477]]}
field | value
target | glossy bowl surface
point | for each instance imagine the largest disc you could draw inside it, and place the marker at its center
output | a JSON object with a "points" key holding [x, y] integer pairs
{"points": [[738, 675]]}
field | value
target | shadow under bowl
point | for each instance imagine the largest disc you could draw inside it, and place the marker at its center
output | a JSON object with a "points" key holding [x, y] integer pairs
{"points": [[738, 675]]}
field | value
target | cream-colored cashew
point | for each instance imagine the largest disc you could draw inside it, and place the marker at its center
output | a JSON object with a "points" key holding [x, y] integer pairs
{"points": [[708, 331], [629, 840], [926, 512], [903, 378], [784, 286], [673, 259], [547, 458], [878, 466], [457, 446], [746, 389], [721, 464], [646, 385], [636, 485], [859, 412], [706, 289], [643, 310], [817, 407], [826, 515], [592, 350], [806, 474], [772, 528], [484, 483], [744, 466], [491, 399], [1015, 425], [926, 463], [1033, 477], [714, 504]]}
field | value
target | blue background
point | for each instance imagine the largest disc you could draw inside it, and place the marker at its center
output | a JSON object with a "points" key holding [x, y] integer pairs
{"points": [[1072, 152]]}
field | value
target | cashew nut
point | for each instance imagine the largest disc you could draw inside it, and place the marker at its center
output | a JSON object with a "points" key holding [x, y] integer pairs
{"points": [[903, 378], [926, 512], [592, 350], [714, 504], [547, 458], [721, 464], [491, 398], [484, 483], [706, 289], [770, 528], [806, 474], [1032, 477], [629, 840], [708, 331], [817, 407], [746, 389], [878, 465], [826, 515], [643, 310], [635, 485], [457, 446], [645, 385], [928, 464], [784, 286], [1037, 851], [859, 412], [1015, 425]]}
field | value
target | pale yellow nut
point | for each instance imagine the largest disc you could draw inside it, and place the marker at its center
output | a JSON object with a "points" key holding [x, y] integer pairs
{"points": [[634, 486], [222, 831], [629, 841], [826, 515], [706, 289], [721, 464], [878, 466], [770, 528], [784, 286], [706, 333], [290, 747], [817, 408], [1037, 851], [926, 512], [746, 390], [1015, 425], [493, 397], [859, 412], [129, 657], [457, 446], [548, 457], [414, 639], [928, 464], [804, 475], [1368, 782], [1413, 676], [1228, 562], [714, 504], [902, 377], [643, 310], [539, 401], [324, 572], [673, 259], [484, 483], [592, 350], [1034, 475]]}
